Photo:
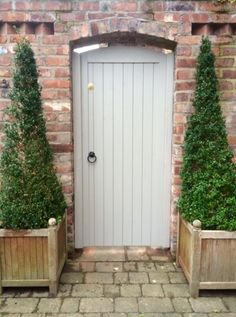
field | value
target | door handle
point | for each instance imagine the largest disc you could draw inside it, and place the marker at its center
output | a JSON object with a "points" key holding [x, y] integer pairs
{"points": [[92, 158]]}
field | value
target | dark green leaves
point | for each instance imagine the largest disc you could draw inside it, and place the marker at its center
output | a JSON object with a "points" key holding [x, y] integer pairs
{"points": [[30, 192], [208, 173]]}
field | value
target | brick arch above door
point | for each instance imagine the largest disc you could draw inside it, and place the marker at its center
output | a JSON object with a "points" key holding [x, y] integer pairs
{"points": [[123, 30]]}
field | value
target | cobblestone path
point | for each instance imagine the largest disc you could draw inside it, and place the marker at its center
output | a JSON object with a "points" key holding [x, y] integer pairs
{"points": [[118, 282]]}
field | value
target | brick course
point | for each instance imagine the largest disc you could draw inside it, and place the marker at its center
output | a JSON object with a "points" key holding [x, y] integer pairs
{"points": [[167, 24]]}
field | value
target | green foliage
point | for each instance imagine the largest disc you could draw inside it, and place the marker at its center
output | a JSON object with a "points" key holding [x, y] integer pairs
{"points": [[30, 191], [226, 1], [208, 173]]}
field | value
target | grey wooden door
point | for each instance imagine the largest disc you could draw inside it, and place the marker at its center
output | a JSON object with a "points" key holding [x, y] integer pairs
{"points": [[126, 120]]}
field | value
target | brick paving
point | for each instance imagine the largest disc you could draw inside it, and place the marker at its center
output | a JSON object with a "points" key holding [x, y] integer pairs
{"points": [[122, 282]]}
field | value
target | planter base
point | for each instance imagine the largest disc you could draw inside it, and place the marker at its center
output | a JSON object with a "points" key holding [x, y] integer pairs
{"points": [[207, 257], [33, 258]]}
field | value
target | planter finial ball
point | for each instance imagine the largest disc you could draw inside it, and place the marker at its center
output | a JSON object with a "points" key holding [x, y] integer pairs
{"points": [[197, 224], [52, 222]]}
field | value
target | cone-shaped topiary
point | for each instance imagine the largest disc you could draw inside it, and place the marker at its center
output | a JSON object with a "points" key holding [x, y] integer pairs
{"points": [[30, 191], [208, 173]]}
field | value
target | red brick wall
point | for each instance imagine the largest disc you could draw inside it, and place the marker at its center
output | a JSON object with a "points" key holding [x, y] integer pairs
{"points": [[54, 26]]}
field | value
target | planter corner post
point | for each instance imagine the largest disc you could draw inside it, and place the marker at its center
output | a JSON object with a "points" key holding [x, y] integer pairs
{"points": [[195, 259], [52, 256], [177, 242]]}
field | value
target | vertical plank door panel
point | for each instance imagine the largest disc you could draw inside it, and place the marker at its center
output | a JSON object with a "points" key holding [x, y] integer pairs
{"points": [[108, 154], [118, 100], [138, 96], [99, 148]]}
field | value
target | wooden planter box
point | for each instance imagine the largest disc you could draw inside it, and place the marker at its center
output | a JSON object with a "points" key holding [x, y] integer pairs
{"points": [[207, 257], [33, 257]]}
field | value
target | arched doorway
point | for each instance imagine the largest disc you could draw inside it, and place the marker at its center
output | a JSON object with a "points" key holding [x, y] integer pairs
{"points": [[122, 113]]}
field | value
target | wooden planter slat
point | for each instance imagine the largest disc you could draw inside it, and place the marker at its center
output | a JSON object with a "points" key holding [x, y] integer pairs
{"points": [[24, 283], [217, 285], [207, 257], [24, 233], [33, 257]]}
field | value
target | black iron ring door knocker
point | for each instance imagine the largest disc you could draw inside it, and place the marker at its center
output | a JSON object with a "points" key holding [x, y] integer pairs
{"points": [[92, 158]]}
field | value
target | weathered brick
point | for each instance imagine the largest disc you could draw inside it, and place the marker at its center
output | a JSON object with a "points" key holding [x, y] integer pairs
{"points": [[208, 6], [229, 51], [5, 6], [183, 62], [226, 85], [72, 16], [57, 60], [55, 39], [5, 60], [3, 39], [37, 5], [180, 118], [4, 72], [14, 16], [49, 94], [100, 15], [229, 74], [200, 17], [124, 6], [22, 5], [63, 50], [184, 51], [185, 85], [185, 74], [159, 16], [179, 6], [56, 83], [58, 5], [181, 96], [189, 40], [152, 5], [85, 6], [179, 129], [224, 62], [55, 127], [46, 72]]}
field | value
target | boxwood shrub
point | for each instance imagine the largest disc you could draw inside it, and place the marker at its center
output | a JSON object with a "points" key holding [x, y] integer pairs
{"points": [[208, 172], [30, 191]]}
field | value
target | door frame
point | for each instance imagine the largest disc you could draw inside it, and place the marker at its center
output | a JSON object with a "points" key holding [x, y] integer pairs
{"points": [[77, 139]]}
